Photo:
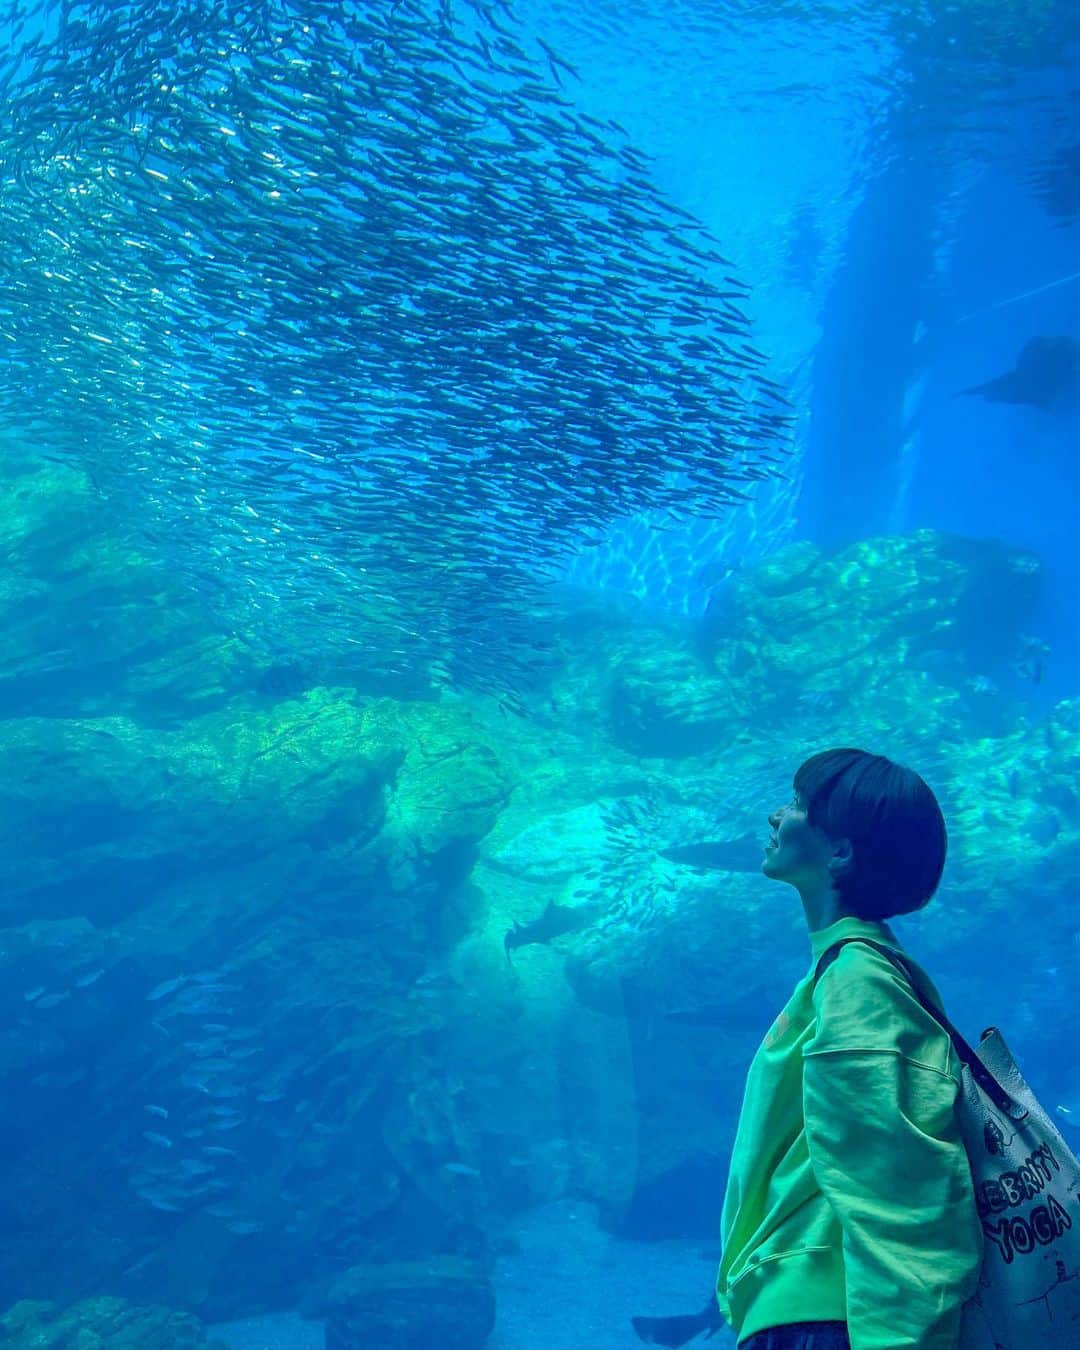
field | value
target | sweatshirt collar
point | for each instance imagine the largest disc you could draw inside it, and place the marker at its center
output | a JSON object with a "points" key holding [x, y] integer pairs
{"points": [[849, 927]]}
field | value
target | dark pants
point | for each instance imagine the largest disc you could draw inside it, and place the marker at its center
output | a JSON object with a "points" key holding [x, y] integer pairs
{"points": [[800, 1336]]}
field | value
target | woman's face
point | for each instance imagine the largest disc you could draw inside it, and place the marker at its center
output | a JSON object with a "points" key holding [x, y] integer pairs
{"points": [[797, 852]]}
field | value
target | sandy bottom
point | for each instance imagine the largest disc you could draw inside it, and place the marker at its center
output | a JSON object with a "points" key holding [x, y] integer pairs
{"points": [[279, 1332], [571, 1287]]}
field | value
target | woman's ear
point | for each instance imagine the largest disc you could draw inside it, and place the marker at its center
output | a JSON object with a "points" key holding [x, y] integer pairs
{"points": [[843, 858]]}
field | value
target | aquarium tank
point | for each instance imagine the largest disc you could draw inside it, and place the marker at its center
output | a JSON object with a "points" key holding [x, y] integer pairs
{"points": [[459, 458]]}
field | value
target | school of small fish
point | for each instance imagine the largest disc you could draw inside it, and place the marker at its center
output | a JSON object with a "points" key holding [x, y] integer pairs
{"points": [[353, 318]]}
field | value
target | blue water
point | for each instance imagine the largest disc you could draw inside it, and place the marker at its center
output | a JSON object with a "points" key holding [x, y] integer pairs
{"points": [[393, 696]]}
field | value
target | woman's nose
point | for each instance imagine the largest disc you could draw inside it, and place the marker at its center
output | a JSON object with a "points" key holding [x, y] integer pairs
{"points": [[774, 820]]}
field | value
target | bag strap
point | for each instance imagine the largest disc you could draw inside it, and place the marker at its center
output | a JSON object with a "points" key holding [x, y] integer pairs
{"points": [[979, 1071]]}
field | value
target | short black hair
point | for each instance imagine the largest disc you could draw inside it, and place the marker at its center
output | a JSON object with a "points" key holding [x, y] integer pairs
{"points": [[893, 821]]}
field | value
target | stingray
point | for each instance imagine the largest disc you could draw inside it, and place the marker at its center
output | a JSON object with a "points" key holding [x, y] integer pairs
{"points": [[1047, 372], [675, 1331]]}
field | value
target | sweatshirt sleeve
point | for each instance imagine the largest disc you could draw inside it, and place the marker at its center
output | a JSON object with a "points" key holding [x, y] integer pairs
{"points": [[887, 1154]]}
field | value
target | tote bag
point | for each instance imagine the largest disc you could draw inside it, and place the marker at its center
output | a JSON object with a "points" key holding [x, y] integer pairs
{"points": [[1027, 1189]]}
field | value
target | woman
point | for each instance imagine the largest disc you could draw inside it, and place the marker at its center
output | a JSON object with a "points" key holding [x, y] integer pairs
{"points": [[849, 1219]]}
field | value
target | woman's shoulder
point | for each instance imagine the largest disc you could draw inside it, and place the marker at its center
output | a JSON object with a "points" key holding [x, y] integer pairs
{"points": [[865, 1000]]}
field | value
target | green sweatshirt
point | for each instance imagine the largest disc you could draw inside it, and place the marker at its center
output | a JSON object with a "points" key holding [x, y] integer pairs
{"points": [[850, 1195]]}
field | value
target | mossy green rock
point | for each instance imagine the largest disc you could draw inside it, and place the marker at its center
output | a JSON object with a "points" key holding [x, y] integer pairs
{"points": [[89, 802], [101, 1324], [855, 635], [451, 784], [91, 626]]}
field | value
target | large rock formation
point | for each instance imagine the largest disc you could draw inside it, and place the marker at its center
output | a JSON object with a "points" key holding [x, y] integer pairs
{"points": [[301, 979]]}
